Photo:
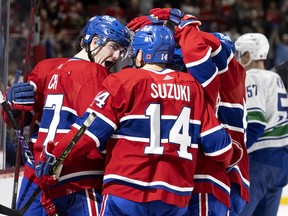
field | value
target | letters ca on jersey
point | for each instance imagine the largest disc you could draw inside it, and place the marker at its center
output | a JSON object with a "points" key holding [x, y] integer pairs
{"points": [[53, 82]]}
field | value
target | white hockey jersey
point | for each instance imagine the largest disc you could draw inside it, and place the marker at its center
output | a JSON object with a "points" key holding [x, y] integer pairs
{"points": [[267, 107]]}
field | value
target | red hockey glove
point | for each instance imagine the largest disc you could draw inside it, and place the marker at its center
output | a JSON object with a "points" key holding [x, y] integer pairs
{"points": [[176, 16], [48, 205], [139, 22]]}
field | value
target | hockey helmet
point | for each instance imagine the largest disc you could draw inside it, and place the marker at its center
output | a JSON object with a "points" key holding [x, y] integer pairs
{"points": [[106, 28], [255, 43], [177, 62], [156, 42], [225, 40]]}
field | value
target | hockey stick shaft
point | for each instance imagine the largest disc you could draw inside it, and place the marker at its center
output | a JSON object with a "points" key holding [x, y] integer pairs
{"points": [[22, 210], [17, 76], [73, 142], [89, 120], [22, 144], [18, 132], [16, 176], [12, 212], [25, 76], [8, 211]]}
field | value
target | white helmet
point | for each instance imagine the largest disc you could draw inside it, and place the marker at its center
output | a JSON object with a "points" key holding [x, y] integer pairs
{"points": [[254, 43]]}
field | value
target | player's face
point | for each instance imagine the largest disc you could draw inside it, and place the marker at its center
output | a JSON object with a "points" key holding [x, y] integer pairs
{"points": [[109, 54]]}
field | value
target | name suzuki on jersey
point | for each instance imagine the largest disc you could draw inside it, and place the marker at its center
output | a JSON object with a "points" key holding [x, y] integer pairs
{"points": [[170, 90]]}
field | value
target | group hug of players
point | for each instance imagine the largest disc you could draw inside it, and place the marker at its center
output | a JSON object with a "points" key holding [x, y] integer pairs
{"points": [[170, 133]]}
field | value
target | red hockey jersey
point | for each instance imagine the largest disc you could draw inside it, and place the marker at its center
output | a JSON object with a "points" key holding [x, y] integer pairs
{"points": [[68, 91], [225, 90], [157, 121], [37, 77]]}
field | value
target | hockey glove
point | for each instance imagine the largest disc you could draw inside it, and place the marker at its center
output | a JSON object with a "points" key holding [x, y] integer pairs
{"points": [[21, 96], [139, 22], [176, 16], [47, 160]]}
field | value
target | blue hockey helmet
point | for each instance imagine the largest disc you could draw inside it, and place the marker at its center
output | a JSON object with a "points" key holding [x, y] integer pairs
{"points": [[225, 40], [106, 28], [156, 42], [177, 62]]}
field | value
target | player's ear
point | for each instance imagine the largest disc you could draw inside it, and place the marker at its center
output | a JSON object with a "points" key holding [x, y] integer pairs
{"points": [[139, 59], [94, 40], [247, 56]]}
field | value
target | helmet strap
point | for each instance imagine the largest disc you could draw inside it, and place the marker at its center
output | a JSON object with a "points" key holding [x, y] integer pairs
{"points": [[89, 52], [248, 63], [139, 59], [90, 56]]}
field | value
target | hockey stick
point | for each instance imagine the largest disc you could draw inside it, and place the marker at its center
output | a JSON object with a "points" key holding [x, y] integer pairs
{"points": [[12, 212], [18, 74], [55, 169], [8, 211], [24, 145], [25, 75], [280, 67], [18, 132], [16, 172], [19, 147]]}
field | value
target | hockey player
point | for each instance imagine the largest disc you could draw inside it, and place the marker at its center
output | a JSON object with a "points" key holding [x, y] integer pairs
{"points": [[231, 111], [23, 96], [267, 130], [105, 40], [202, 53], [156, 119]]}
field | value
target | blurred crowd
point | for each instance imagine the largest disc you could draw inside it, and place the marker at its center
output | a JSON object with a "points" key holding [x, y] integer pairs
{"points": [[62, 20]]}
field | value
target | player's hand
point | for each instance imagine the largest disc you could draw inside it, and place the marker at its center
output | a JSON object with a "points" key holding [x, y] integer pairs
{"points": [[42, 169], [139, 22], [237, 155], [47, 160], [176, 16], [20, 96]]}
